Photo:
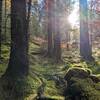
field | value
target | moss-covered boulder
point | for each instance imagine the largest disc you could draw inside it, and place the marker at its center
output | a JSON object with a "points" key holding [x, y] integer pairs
{"points": [[77, 72], [82, 85]]}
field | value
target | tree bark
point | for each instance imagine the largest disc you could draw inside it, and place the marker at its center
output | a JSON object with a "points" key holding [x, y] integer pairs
{"points": [[0, 24], [57, 39], [5, 23], [49, 28], [85, 47], [57, 43], [18, 62]]}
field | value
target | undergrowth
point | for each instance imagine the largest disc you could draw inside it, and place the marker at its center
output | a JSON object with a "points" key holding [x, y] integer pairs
{"points": [[44, 70]]}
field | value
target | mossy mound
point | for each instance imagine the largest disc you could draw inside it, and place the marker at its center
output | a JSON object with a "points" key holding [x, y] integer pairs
{"points": [[77, 72], [82, 85], [15, 89]]}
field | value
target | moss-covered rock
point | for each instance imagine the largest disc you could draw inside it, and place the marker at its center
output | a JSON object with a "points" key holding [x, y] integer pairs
{"points": [[77, 72], [82, 85]]}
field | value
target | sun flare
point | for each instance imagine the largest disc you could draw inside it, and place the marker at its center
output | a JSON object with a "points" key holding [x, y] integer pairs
{"points": [[74, 16]]}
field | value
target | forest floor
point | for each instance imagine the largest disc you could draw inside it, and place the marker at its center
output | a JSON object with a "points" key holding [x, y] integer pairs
{"points": [[44, 70]]}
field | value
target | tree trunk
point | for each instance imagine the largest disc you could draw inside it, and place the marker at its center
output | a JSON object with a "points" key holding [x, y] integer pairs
{"points": [[28, 15], [18, 62], [5, 23], [57, 40], [0, 24], [49, 28], [85, 47], [57, 43]]}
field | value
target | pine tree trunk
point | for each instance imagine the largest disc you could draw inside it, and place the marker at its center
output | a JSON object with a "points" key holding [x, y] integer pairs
{"points": [[49, 28], [18, 62], [0, 24], [85, 47], [5, 23], [57, 40]]}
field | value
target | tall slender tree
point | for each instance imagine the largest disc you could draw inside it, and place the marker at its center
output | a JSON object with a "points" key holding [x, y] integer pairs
{"points": [[57, 38], [49, 28], [18, 62], [5, 23], [85, 47], [0, 24]]}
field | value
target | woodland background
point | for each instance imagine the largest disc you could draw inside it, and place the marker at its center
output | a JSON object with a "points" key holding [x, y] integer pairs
{"points": [[47, 52]]}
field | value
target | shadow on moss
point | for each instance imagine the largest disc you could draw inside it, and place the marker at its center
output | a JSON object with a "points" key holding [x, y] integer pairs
{"points": [[15, 89]]}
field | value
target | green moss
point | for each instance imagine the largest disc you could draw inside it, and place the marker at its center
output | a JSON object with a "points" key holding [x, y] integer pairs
{"points": [[16, 89], [84, 88], [4, 58], [51, 89], [45, 68], [2, 69]]}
